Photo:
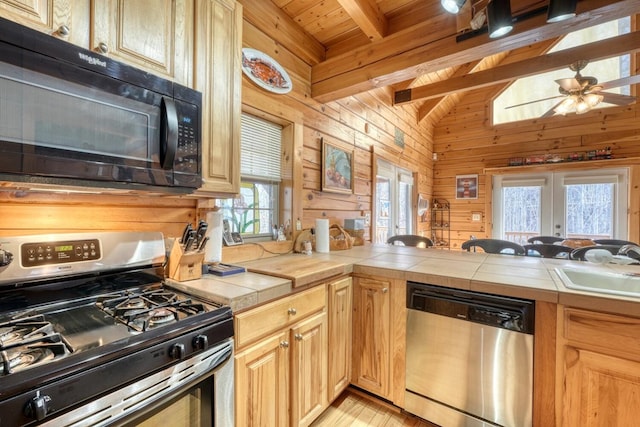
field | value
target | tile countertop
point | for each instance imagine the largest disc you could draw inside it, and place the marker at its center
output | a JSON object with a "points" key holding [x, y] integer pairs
{"points": [[517, 276]]}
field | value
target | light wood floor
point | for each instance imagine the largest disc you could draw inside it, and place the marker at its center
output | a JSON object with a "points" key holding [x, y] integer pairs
{"points": [[353, 408]]}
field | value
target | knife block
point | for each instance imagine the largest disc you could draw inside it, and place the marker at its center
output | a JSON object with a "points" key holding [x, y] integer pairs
{"points": [[183, 266]]}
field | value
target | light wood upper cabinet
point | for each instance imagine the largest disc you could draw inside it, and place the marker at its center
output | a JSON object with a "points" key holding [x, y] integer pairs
{"points": [[340, 307], [47, 16], [218, 77], [600, 360], [156, 36]]}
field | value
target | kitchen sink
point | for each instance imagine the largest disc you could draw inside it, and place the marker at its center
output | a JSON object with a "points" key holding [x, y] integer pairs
{"points": [[614, 283]]}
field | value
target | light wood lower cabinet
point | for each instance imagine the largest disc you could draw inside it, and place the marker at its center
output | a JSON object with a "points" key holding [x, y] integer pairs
{"points": [[281, 369], [340, 307], [599, 357]]}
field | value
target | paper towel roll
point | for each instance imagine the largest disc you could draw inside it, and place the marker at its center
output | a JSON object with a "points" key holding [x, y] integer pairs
{"points": [[322, 235], [213, 250]]}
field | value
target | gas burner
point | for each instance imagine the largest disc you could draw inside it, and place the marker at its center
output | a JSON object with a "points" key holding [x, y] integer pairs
{"points": [[21, 357], [24, 331], [161, 316]]}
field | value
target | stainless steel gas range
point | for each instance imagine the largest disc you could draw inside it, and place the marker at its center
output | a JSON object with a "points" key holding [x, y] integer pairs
{"points": [[90, 335]]}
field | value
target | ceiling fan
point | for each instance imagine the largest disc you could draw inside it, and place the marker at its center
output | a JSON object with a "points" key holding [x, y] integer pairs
{"points": [[582, 93]]}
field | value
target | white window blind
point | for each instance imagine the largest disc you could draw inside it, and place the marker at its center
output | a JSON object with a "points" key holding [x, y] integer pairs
{"points": [[260, 149]]}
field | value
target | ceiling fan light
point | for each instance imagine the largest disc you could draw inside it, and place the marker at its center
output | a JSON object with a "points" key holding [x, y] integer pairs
{"points": [[582, 107], [593, 99], [559, 10], [452, 6], [499, 17], [566, 105]]}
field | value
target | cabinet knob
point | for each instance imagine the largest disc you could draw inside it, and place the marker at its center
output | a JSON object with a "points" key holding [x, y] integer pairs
{"points": [[284, 344], [102, 48], [385, 290], [62, 31], [292, 311], [298, 337]]}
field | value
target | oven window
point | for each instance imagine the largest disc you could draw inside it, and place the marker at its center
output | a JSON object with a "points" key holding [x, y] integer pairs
{"points": [[191, 408]]}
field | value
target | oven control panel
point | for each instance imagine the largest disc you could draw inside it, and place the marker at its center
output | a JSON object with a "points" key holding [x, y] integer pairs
{"points": [[60, 252]]}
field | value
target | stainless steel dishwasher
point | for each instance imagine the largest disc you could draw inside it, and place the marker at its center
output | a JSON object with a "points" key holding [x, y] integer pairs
{"points": [[469, 357]]}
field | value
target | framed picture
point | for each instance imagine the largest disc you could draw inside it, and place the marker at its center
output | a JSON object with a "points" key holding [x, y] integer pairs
{"points": [[337, 169], [466, 186]]}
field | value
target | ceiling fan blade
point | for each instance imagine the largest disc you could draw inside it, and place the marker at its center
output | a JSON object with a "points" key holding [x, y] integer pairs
{"points": [[569, 84], [624, 81], [616, 98], [531, 102], [551, 111]]}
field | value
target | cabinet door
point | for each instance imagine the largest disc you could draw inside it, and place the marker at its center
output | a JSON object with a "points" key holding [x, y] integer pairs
{"points": [[340, 308], [218, 77], [262, 383], [47, 16], [371, 332], [600, 390], [308, 369], [156, 35]]}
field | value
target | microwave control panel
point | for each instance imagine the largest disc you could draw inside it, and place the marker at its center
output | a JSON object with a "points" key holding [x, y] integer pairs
{"points": [[188, 153], [47, 253]]}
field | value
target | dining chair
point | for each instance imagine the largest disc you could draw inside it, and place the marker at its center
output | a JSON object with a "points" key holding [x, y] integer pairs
{"points": [[410, 240], [579, 253], [548, 250], [545, 239], [494, 246], [613, 242]]}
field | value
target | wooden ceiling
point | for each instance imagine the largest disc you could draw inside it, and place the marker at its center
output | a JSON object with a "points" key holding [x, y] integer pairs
{"points": [[367, 44]]}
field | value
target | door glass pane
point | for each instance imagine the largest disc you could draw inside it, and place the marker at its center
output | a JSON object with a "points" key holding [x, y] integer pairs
{"points": [[383, 209], [521, 213], [404, 208], [590, 210]]}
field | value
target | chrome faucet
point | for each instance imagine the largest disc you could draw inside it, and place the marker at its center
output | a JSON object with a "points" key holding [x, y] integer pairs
{"points": [[632, 251]]}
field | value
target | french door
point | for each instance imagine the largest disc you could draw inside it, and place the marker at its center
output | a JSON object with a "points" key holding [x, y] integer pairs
{"points": [[394, 201], [577, 204]]}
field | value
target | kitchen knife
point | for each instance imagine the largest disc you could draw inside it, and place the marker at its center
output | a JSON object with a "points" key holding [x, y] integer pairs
{"points": [[185, 233], [200, 233], [203, 244], [190, 239]]}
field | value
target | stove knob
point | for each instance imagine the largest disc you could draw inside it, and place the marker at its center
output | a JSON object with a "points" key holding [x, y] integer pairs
{"points": [[5, 257], [177, 351], [37, 407], [201, 342]]}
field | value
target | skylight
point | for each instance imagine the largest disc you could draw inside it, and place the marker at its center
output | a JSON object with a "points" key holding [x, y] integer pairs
{"points": [[543, 85]]}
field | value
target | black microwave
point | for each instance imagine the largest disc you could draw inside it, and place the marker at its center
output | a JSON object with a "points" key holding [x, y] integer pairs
{"points": [[69, 116]]}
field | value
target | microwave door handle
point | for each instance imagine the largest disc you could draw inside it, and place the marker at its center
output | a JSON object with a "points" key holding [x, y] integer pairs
{"points": [[168, 133]]}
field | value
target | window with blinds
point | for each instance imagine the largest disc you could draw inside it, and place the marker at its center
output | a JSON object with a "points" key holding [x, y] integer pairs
{"points": [[255, 212]]}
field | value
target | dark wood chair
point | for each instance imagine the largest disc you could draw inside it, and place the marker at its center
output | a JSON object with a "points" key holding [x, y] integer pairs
{"points": [[579, 253], [410, 240], [613, 242], [545, 239], [494, 246], [548, 250]]}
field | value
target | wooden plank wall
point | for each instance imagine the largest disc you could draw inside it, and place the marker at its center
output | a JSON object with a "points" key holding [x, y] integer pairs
{"points": [[365, 124], [467, 143]]}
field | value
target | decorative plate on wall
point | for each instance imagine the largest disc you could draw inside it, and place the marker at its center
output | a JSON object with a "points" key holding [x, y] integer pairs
{"points": [[265, 71]]}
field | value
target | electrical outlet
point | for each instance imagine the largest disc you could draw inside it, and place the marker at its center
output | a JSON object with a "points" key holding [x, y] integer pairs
{"points": [[476, 216]]}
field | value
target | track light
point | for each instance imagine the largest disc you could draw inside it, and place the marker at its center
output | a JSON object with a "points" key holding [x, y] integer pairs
{"points": [[559, 10], [452, 6], [499, 17]]}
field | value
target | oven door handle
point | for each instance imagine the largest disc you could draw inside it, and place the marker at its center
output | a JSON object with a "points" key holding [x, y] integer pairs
{"points": [[168, 133]]}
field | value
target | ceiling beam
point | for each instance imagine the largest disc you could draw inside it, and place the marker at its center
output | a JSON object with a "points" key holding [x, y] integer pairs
{"points": [[389, 61], [603, 49], [368, 16]]}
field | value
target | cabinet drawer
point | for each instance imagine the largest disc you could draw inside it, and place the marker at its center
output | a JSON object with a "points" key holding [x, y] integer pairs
{"points": [[276, 315], [619, 333]]}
